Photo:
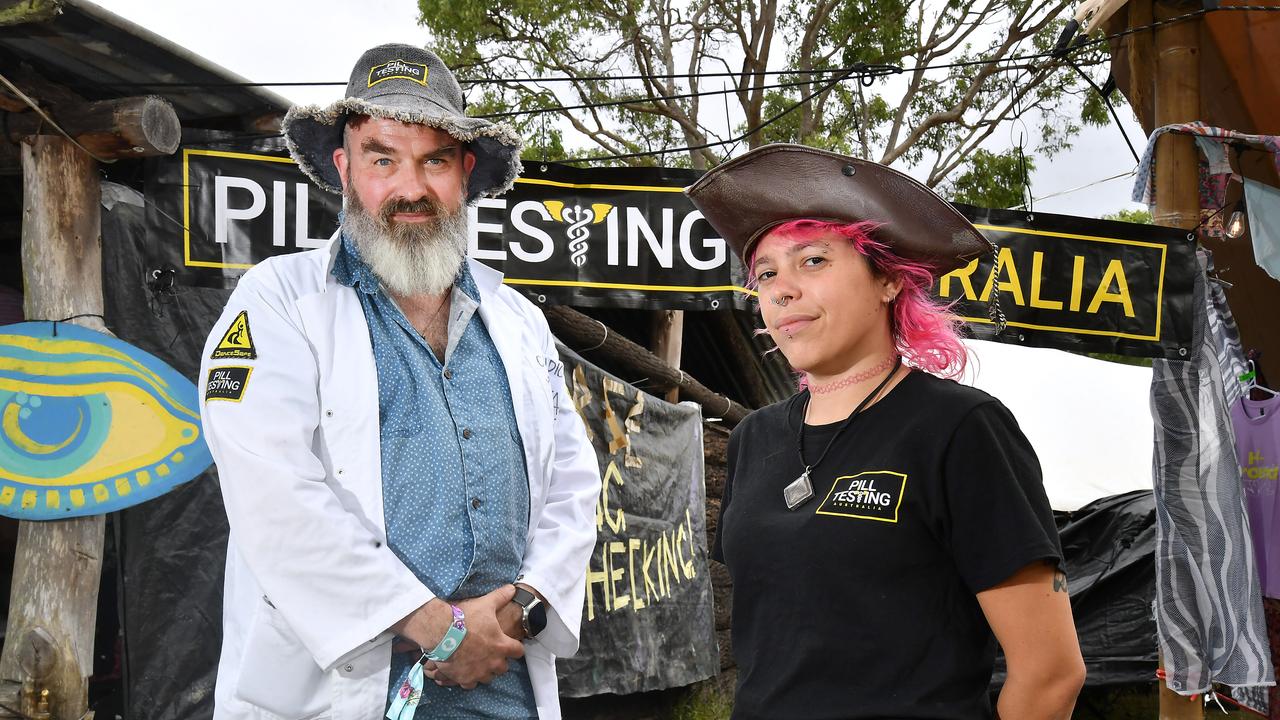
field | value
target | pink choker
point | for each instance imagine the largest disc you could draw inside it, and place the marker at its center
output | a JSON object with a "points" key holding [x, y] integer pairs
{"points": [[854, 379]]}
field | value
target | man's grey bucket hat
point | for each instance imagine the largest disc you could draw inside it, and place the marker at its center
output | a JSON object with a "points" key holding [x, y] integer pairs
{"points": [[412, 85]]}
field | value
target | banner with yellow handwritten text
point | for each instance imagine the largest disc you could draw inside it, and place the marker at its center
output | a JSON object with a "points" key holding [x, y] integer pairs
{"points": [[647, 623]]}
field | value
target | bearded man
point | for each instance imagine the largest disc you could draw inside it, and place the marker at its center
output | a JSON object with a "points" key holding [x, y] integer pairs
{"points": [[410, 494]]}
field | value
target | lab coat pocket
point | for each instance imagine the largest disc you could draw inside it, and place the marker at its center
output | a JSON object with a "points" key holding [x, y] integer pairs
{"points": [[277, 673]]}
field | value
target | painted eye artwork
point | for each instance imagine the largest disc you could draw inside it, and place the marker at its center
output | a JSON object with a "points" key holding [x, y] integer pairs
{"points": [[90, 424]]}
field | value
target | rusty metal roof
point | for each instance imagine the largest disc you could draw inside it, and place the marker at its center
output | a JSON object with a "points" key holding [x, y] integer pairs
{"points": [[100, 55]]}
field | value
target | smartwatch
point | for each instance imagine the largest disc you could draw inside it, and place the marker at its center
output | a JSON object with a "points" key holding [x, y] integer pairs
{"points": [[533, 613]]}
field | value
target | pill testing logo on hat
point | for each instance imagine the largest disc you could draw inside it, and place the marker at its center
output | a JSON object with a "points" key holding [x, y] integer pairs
{"points": [[398, 69]]}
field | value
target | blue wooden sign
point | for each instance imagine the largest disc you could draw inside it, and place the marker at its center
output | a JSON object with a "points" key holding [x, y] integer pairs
{"points": [[90, 424]]}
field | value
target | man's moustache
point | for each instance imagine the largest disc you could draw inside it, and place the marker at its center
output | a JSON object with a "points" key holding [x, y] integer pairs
{"points": [[424, 206]]}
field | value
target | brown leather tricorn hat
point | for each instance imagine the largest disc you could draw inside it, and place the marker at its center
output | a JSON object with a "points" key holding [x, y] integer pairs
{"points": [[749, 195]]}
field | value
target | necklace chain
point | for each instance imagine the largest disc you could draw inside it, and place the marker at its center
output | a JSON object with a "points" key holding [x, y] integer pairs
{"points": [[855, 378], [897, 361]]}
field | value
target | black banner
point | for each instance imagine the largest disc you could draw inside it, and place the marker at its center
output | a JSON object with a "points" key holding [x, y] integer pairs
{"points": [[217, 210], [647, 623], [1079, 284], [608, 237], [628, 237]]}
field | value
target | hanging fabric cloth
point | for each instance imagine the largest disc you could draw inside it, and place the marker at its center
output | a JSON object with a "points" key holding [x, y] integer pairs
{"points": [[1263, 203], [1215, 168], [1208, 606], [1225, 332]]}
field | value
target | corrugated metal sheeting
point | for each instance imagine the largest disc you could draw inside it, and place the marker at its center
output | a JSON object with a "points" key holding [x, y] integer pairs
{"points": [[99, 55]]}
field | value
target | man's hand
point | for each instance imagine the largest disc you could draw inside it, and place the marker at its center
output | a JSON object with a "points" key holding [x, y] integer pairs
{"points": [[511, 620], [484, 652], [511, 615]]}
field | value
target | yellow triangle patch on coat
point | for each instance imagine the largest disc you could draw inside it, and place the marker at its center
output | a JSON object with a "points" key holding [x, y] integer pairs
{"points": [[236, 342]]}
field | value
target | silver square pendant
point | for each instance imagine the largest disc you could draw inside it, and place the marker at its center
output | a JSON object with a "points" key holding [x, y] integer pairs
{"points": [[798, 492]]}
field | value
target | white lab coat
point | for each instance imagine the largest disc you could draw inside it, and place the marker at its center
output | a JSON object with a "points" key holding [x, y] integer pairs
{"points": [[311, 586]]}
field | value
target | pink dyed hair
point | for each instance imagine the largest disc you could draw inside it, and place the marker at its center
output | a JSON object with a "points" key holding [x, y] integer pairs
{"points": [[925, 332]]}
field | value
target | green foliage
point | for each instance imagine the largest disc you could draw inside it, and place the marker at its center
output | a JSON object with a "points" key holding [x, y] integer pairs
{"points": [[936, 118], [1142, 217], [992, 181], [705, 701]]}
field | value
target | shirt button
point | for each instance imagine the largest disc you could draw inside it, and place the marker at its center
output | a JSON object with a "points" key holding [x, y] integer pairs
{"points": [[475, 503], [466, 434], [448, 374], [349, 668]]}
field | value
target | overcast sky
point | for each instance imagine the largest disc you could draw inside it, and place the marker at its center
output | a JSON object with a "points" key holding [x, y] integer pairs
{"points": [[319, 40]]}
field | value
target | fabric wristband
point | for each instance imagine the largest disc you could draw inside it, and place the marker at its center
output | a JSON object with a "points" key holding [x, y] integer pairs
{"points": [[410, 694], [452, 637]]}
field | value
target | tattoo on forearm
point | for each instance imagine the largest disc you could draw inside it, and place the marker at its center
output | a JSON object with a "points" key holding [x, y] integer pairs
{"points": [[1059, 581]]}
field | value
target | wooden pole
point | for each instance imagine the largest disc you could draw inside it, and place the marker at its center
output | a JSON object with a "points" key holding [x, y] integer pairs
{"points": [[58, 563], [668, 342], [1177, 101], [1177, 185], [1142, 62], [581, 331]]}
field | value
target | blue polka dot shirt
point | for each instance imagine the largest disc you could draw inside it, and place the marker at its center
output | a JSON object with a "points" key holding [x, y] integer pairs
{"points": [[454, 483]]}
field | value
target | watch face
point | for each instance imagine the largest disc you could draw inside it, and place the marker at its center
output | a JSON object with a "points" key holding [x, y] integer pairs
{"points": [[537, 619]]}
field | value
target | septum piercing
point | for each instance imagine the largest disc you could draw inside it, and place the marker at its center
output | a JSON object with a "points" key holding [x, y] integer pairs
{"points": [[784, 300]]}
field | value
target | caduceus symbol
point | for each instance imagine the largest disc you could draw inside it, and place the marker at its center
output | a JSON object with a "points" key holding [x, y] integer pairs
{"points": [[578, 218]]}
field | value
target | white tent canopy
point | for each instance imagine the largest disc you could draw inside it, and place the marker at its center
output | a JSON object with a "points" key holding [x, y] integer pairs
{"points": [[1089, 420]]}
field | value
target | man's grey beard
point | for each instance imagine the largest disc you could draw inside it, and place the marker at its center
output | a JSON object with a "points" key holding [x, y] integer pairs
{"points": [[409, 258]]}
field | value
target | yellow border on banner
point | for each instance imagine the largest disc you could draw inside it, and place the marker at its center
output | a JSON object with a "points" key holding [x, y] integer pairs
{"points": [[188, 262], [186, 203], [1164, 253], [596, 186]]}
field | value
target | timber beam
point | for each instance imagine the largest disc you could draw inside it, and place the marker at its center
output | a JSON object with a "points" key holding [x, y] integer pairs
{"points": [[582, 331], [131, 127], [108, 129]]}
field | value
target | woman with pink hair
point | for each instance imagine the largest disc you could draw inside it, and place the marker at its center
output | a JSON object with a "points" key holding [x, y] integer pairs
{"points": [[886, 526]]}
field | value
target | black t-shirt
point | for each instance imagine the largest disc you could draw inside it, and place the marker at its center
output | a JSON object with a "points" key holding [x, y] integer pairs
{"points": [[861, 602]]}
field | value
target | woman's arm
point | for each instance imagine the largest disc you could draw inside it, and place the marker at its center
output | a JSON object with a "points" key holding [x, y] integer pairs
{"points": [[1030, 614]]}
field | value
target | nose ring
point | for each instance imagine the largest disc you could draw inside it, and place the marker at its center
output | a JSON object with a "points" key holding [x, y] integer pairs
{"points": [[782, 300]]}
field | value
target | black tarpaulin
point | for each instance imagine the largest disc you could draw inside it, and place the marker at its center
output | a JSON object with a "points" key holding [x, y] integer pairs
{"points": [[172, 548], [1109, 549]]}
